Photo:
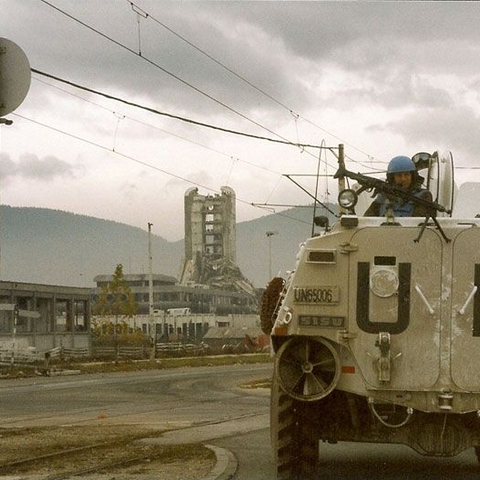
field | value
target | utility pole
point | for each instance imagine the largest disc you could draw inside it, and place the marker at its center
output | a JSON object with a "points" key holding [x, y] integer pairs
{"points": [[14, 334], [270, 234], [153, 332], [341, 180]]}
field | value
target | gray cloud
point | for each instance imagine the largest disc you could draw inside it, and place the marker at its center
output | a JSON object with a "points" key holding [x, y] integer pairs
{"points": [[30, 166], [319, 29], [395, 89], [130, 191], [269, 43], [452, 128]]}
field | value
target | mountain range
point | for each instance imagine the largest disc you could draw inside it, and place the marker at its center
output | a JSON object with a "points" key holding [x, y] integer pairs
{"points": [[55, 247]]}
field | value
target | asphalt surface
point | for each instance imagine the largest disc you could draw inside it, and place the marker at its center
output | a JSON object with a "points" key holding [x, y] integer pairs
{"points": [[227, 464]]}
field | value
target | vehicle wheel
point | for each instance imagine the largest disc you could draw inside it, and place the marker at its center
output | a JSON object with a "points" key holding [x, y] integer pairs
{"points": [[293, 439], [308, 369], [270, 303]]}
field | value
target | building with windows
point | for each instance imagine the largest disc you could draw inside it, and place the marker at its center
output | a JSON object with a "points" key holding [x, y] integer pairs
{"points": [[210, 249], [210, 225], [43, 317], [169, 294]]}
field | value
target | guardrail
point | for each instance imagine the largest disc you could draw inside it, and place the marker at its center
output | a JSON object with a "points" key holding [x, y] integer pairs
{"points": [[31, 357], [26, 357], [180, 349], [120, 352]]}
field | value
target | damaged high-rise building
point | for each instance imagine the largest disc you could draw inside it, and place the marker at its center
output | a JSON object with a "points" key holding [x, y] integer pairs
{"points": [[210, 242], [210, 225]]}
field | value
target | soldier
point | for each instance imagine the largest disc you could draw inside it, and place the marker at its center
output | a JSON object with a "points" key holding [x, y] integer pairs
{"points": [[402, 173]]}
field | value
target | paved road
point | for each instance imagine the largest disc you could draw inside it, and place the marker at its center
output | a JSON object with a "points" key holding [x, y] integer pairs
{"points": [[348, 461], [208, 403], [159, 398]]}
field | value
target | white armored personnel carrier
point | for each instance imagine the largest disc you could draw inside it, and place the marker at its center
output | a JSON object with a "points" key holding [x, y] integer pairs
{"points": [[376, 332]]}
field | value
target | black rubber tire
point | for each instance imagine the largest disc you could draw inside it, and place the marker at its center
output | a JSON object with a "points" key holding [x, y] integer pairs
{"points": [[270, 300], [294, 443]]}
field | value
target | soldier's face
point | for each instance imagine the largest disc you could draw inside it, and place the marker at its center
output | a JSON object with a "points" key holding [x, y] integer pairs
{"points": [[402, 179]]}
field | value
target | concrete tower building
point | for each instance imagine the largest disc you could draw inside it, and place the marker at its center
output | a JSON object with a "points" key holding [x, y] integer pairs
{"points": [[210, 245], [210, 226]]}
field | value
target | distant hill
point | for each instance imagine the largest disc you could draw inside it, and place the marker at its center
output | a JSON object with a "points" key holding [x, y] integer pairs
{"points": [[54, 247]]}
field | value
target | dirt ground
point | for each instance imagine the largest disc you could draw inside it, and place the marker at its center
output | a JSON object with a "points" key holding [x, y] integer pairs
{"points": [[110, 446]]}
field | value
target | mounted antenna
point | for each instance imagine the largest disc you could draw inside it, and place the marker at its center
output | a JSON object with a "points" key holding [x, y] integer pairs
{"points": [[341, 178], [316, 191]]}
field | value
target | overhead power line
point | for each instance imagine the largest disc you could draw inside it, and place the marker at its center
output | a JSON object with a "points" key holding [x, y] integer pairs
{"points": [[146, 15], [150, 125], [116, 152], [146, 164], [139, 55], [176, 77], [135, 8], [177, 117], [122, 116]]}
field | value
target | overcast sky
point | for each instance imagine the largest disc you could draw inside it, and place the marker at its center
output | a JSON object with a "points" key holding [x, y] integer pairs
{"points": [[384, 78]]}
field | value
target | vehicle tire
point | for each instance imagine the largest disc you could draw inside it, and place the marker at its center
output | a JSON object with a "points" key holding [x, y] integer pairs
{"points": [[294, 443], [270, 301], [477, 453]]}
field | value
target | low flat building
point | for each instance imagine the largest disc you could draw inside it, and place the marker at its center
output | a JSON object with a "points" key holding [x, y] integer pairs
{"points": [[168, 294], [43, 317]]}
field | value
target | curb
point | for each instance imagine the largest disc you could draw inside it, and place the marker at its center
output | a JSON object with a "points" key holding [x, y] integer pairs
{"points": [[226, 465], [224, 469]]}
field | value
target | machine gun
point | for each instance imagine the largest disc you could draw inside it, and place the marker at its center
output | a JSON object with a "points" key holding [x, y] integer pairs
{"points": [[391, 191]]}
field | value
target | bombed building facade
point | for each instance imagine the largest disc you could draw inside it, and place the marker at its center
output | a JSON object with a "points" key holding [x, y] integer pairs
{"points": [[210, 226], [210, 245]]}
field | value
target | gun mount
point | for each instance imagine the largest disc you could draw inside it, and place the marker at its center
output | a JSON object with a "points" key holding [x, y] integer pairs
{"points": [[348, 198]]}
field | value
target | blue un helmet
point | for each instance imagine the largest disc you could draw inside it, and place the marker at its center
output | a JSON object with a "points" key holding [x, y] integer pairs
{"points": [[401, 164]]}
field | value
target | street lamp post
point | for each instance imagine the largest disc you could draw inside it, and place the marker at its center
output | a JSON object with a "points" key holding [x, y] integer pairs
{"points": [[270, 234], [153, 332]]}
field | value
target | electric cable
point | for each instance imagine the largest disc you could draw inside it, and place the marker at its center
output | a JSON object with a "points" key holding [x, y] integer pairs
{"points": [[123, 116], [176, 117], [176, 77], [145, 14], [151, 110], [168, 132], [143, 163]]}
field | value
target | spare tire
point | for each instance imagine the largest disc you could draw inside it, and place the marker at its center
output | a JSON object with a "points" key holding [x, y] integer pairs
{"points": [[270, 303]]}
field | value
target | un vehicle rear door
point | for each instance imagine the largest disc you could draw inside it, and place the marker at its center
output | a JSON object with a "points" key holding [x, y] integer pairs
{"points": [[465, 315], [395, 306]]}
